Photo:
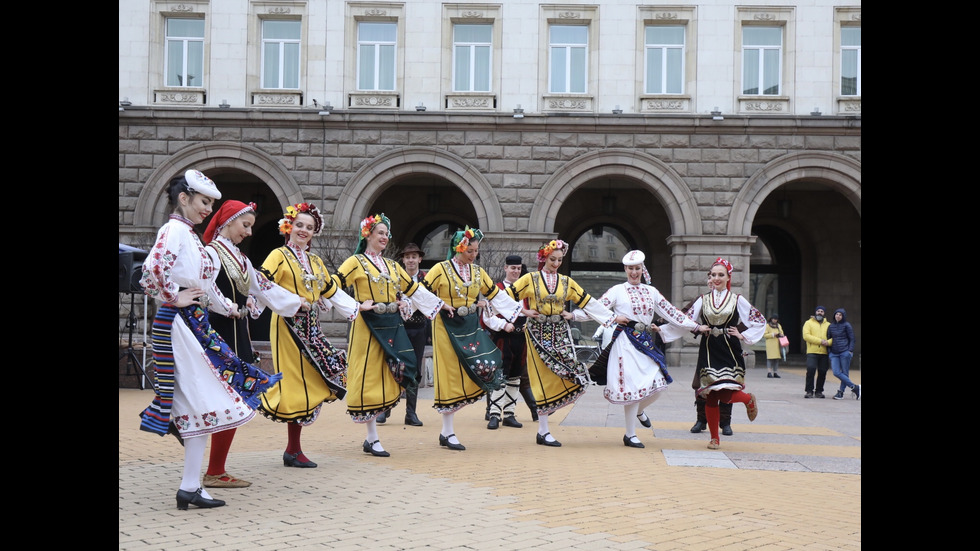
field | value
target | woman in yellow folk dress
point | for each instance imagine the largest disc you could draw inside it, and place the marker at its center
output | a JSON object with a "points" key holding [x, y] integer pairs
{"points": [[465, 361], [312, 369], [557, 378], [381, 359]]}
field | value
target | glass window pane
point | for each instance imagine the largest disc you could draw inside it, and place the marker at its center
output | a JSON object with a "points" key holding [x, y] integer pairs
{"points": [[850, 36], [290, 70], [569, 34], [185, 28], [577, 70], [655, 69], [365, 69], [657, 34], [558, 73], [849, 72], [481, 69], [761, 36], [770, 72], [750, 72], [175, 61], [472, 33], [195, 63], [386, 71], [675, 76], [461, 69], [273, 29], [270, 70], [376, 32]]}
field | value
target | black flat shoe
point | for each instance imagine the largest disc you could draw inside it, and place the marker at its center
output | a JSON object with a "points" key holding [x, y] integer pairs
{"points": [[628, 441], [413, 420], [644, 420], [553, 443], [444, 441], [369, 448], [195, 498], [381, 418], [776, 376], [698, 427], [727, 431], [494, 422], [511, 421], [290, 460]]}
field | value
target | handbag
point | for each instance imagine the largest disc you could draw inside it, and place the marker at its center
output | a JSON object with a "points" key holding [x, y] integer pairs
{"points": [[784, 341]]}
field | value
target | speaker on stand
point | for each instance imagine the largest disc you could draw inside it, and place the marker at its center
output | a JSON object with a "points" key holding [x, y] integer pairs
{"points": [[130, 271]]}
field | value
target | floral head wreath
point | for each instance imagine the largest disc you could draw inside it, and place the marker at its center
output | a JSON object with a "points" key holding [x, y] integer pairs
{"points": [[286, 222], [728, 268], [367, 226], [545, 251], [461, 240]]}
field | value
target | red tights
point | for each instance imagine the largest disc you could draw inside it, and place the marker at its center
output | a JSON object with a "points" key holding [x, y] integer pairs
{"points": [[220, 444], [293, 431], [713, 398]]}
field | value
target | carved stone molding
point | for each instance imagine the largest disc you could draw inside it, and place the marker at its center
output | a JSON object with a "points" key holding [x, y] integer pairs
{"points": [[767, 105], [849, 106], [178, 97], [470, 102], [276, 99], [665, 105], [565, 103], [374, 100]]}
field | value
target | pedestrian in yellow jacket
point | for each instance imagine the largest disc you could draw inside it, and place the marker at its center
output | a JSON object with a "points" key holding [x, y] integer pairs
{"points": [[817, 360]]}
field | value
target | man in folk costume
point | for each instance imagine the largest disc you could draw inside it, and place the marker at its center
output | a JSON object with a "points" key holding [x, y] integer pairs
{"points": [[509, 338]]}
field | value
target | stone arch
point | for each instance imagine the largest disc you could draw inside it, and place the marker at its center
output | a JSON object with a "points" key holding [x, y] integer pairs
{"points": [[152, 206], [666, 184], [375, 176], [840, 173]]}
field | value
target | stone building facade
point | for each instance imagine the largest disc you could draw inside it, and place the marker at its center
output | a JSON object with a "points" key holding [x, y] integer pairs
{"points": [[777, 192]]}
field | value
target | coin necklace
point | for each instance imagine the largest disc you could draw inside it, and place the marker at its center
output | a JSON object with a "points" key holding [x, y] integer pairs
{"points": [[458, 280], [382, 275], [306, 263]]}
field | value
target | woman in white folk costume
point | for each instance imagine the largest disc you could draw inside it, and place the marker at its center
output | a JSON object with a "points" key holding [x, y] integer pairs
{"points": [[252, 293], [313, 370], [201, 386], [381, 360], [557, 378], [721, 367], [636, 373], [466, 362]]}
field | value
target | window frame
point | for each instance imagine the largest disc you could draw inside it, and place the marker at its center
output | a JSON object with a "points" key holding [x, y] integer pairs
{"points": [[763, 61], [184, 40], [664, 50], [282, 53], [852, 48], [472, 48], [569, 48], [378, 44]]}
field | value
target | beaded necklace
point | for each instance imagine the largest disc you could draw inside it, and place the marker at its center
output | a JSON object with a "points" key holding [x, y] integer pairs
{"points": [[382, 280], [457, 280], [305, 262]]}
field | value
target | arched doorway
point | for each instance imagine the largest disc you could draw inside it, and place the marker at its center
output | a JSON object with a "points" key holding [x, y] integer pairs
{"points": [[774, 282]]}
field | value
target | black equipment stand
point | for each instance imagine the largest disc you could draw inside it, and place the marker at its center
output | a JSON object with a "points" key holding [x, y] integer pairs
{"points": [[131, 359]]}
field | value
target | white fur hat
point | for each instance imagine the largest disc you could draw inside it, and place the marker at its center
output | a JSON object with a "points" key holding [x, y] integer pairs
{"points": [[197, 181]]}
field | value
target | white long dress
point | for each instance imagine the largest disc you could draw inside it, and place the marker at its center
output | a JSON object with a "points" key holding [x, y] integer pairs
{"points": [[632, 376], [203, 402]]}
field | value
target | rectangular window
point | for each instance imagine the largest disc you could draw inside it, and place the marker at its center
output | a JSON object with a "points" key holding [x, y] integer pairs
{"points": [[850, 61], [761, 60], [568, 47], [664, 59], [280, 54], [376, 56], [472, 47], [184, 59]]}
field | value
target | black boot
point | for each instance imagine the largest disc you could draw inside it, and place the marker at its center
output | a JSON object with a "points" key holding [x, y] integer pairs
{"points": [[702, 422], [725, 419], [411, 399], [529, 400]]}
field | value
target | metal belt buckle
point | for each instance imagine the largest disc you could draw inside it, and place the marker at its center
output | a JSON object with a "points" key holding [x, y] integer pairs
{"points": [[640, 327], [555, 318], [462, 311], [381, 308], [717, 331], [204, 301]]}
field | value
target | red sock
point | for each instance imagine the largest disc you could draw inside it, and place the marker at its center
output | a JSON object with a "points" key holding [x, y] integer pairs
{"points": [[293, 431], [739, 396], [220, 444]]}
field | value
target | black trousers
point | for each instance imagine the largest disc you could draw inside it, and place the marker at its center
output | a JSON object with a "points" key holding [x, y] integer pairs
{"points": [[816, 364]]}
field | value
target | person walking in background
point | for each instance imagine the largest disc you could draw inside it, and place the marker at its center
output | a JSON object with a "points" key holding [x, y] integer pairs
{"points": [[197, 373], [841, 337], [466, 362], [509, 338], [418, 328], [774, 350], [252, 293], [313, 370], [817, 361], [636, 371], [383, 362], [557, 378], [721, 365]]}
